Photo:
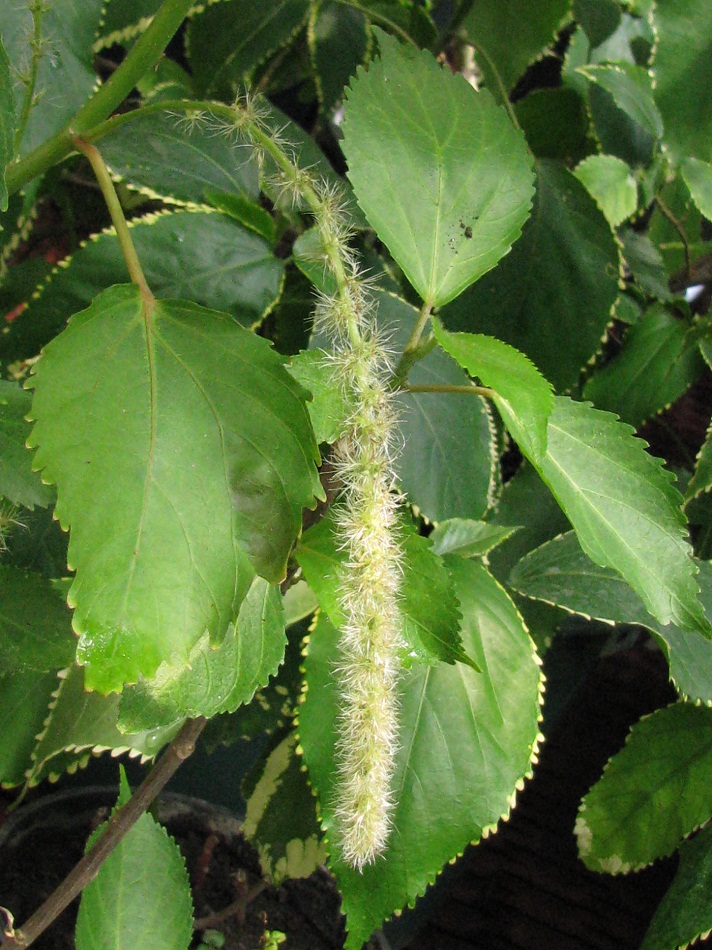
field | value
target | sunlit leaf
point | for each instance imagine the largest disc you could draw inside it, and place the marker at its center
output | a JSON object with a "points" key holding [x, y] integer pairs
{"points": [[610, 182]]}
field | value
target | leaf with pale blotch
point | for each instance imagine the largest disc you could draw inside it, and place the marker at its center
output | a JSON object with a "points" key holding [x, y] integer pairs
{"points": [[205, 441], [62, 57], [18, 483], [685, 913], [657, 364], [141, 896], [522, 395], [25, 698], [632, 91], [80, 721], [509, 36], [623, 507], [214, 680], [468, 538], [558, 572], [698, 178], [35, 625], [652, 794], [8, 122], [280, 819], [458, 729], [681, 66], [440, 172], [428, 606], [611, 183]]}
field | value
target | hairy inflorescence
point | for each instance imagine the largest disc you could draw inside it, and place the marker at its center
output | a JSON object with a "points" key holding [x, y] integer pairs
{"points": [[366, 519]]}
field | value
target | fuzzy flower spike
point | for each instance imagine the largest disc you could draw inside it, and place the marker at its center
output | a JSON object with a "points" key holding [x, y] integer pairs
{"points": [[371, 643]]}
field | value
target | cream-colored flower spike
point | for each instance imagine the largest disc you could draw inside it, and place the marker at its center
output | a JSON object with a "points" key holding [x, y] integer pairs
{"points": [[371, 644]]}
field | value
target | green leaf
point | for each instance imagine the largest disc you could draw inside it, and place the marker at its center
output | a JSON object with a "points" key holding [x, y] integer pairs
{"points": [[624, 508], [164, 155], [35, 625], [459, 729], [8, 122], [683, 61], [698, 178], [329, 406], [652, 794], [195, 255], [80, 721], [659, 361], [281, 818], [140, 897], [599, 18], [214, 680], [645, 263], [338, 43], [701, 480], [511, 34], [227, 41], [617, 132], [632, 91], [552, 296], [205, 441], [609, 181], [685, 913], [18, 483], [468, 538], [124, 18], [448, 462], [560, 573], [554, 122], [441, 174], [522, 395], [247, 212], [63, 56], [428, 605], [24, 700]]}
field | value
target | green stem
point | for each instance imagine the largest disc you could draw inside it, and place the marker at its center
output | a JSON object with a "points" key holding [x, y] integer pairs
{"points": [[143, 55], [380, 18], [414, 350], [117, 217], [38, 8], [678, 227], [466, 389]]}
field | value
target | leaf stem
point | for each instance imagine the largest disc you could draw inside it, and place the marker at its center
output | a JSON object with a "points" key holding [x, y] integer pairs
{"points": [[144, 54], [468, 389], [117, 217], [678, 227], [117, 827], [414, 350]]}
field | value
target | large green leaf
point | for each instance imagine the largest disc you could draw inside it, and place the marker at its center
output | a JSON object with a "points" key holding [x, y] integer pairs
{"points": [[698, 178], [459, 730], [428, 604], [281, 818], [623, 507], [227, 41], [439, 170], [35, 625], [552, 296], [555, 123], [61, 50], [682, 65], [468, 538], [610, 181], [685, 913], [141, 896], [179, 445], [652, 794], [214, 681], [194, 255], [511, 34], [8, 122], [560, 573], [80, 721], [18, 483], [521, 393], [163, 155], [24, 700], [599, 18], [659, 361], [631, 89]]}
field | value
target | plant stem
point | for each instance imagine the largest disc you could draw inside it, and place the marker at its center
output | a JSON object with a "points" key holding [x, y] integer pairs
{"points": [[414, 350], [117, 827], [678, 227], [117, 217], [144, 54], [468, 390]]}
